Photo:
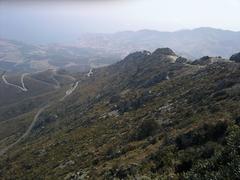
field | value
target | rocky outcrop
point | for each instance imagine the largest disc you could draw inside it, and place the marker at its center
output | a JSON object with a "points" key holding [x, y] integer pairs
{"points": [[202, 61], [156, 79], [181, 60], [164, 55], [138, 55], [235, 57], [164, 51], [206, 60]]}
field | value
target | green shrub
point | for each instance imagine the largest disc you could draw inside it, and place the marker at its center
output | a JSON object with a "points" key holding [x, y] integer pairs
{"points": [[225, 164], [147, 128], [208, 132]]}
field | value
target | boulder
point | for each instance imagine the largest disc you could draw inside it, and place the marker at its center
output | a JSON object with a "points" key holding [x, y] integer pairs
{"points": [[206, 60], [202, 61], [181, 60], [235, 57]]}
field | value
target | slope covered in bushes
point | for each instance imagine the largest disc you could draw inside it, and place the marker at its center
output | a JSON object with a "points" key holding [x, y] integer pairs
{"points": [[147, 116]]}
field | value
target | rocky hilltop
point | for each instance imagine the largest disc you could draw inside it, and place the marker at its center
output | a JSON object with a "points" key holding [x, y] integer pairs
{"points": [[150, 116]]}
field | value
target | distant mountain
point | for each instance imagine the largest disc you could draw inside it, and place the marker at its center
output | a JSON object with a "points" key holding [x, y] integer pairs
{"points": [[191, 43], [152, 115]]}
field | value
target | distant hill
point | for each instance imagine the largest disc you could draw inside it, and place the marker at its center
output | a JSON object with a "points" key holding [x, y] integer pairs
{"points": [[22, 57], [191, 43]]}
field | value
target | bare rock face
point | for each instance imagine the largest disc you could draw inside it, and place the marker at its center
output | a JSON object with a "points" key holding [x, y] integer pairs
{"points": [[235, 57], [164, 51], [165, 55]]}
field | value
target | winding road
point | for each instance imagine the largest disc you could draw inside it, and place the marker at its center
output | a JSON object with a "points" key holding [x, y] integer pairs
{"points": [[67, 76], [57, 86], [27, 132], [3, 151], [23, 88], [90, 73], [70, 91]]}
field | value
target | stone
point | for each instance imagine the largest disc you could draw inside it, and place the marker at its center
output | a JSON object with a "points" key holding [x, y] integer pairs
{"points": [[235, 57]]}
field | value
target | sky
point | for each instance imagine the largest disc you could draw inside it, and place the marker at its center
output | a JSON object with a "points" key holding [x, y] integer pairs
{"points": [[52, 21]]}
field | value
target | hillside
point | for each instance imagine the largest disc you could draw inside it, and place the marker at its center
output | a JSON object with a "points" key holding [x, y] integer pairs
{"points": [[11, 90], [21, 57], [190, 43], [150, 116]]}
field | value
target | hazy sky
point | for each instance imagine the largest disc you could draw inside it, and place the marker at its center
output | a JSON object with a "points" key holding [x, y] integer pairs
{"points": [[52, 21]]}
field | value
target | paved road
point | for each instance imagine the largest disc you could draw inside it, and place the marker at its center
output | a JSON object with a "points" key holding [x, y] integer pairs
{"points": [[90, 73], [23, 88], [70, 91]]}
